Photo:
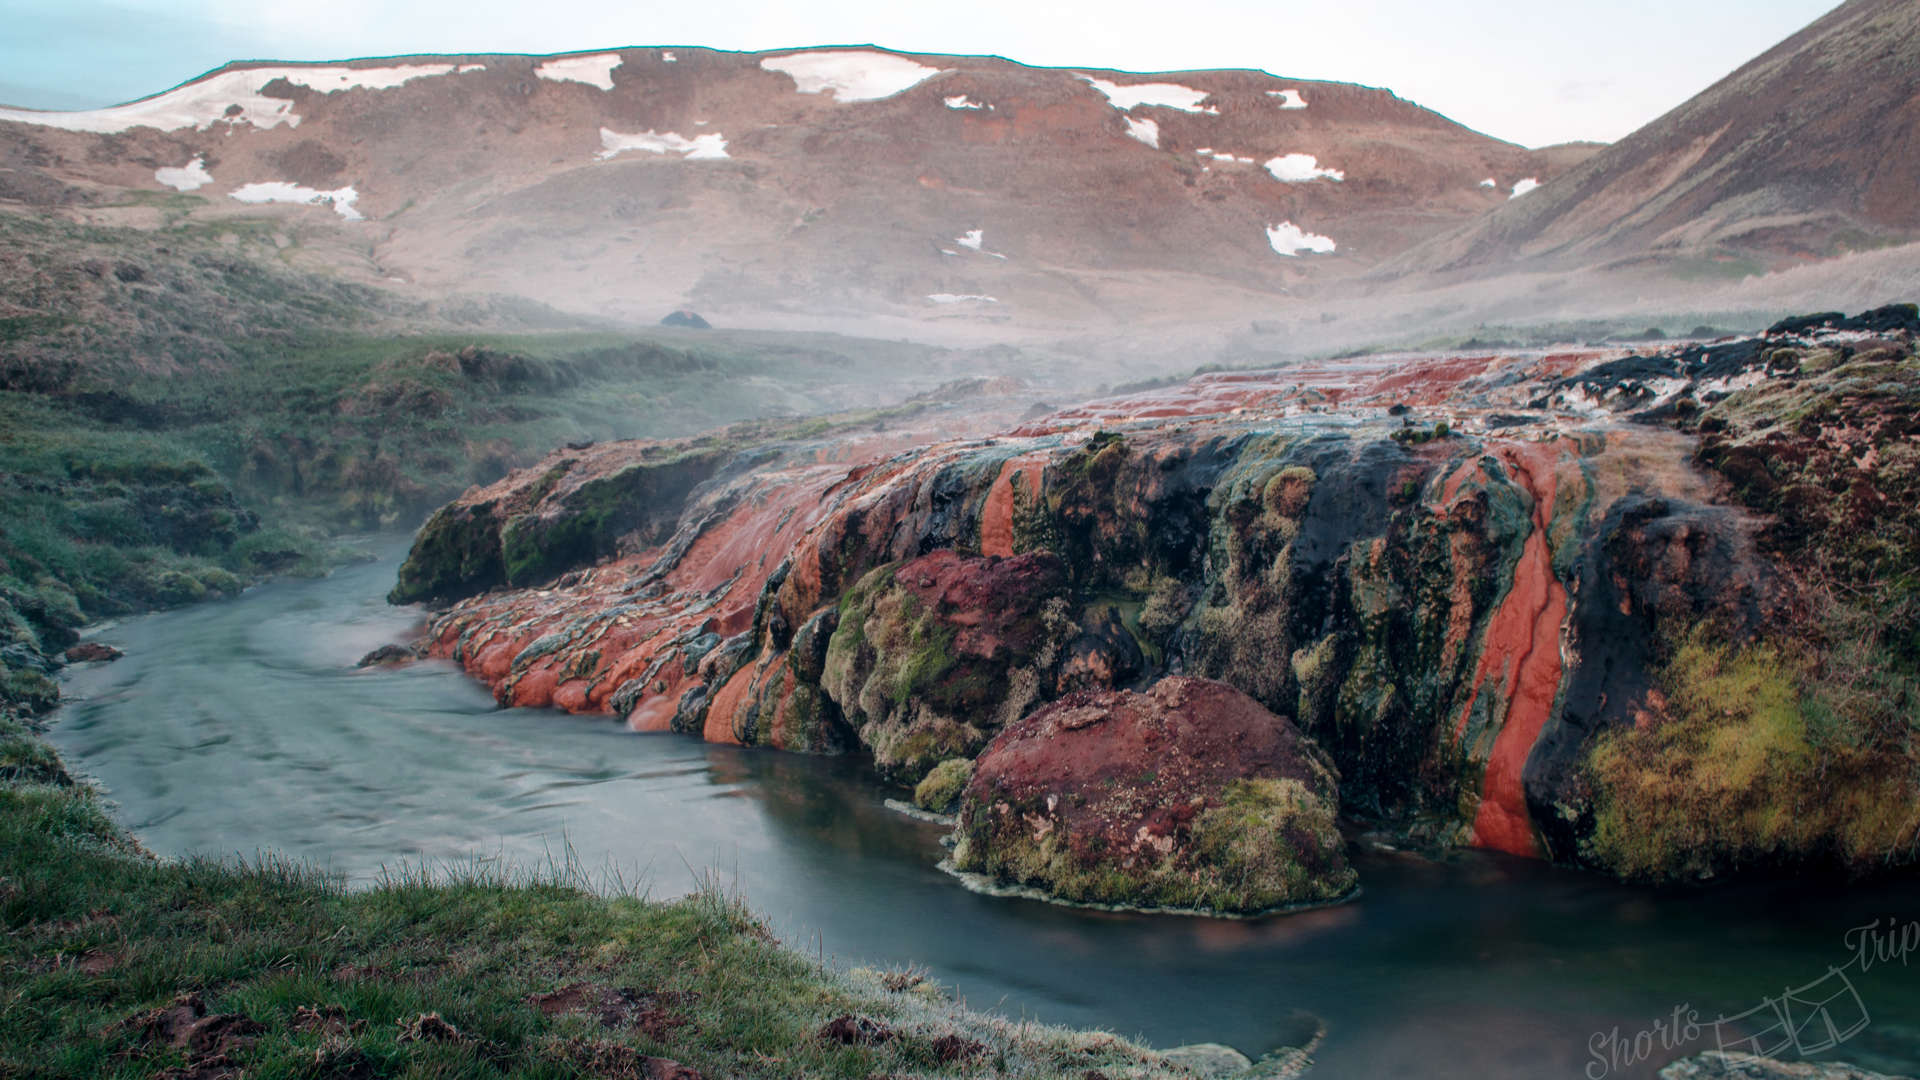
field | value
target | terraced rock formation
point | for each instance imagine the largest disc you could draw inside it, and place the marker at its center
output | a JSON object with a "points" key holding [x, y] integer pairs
{"points": [[1604, 608]]}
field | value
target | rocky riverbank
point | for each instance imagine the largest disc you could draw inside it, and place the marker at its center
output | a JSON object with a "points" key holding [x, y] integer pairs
{"points": [[113, 962], [1608, 608]]}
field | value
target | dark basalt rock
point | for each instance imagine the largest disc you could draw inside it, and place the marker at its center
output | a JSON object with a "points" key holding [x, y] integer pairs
{"points": [[1881, 320], [686, 319]]}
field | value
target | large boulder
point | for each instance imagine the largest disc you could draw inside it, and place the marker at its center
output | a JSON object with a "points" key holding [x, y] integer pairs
{"points": [[1191, 795]]}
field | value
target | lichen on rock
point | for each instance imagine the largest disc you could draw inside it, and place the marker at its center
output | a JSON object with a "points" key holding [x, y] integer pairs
{"points": [[1189, 796], [937, 792], [932, 656]]}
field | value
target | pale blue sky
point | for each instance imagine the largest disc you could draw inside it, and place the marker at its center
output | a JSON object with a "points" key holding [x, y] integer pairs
{"points": [[1533, 72]]}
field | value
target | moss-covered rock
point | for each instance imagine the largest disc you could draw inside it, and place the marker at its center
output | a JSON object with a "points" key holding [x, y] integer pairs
{"points": [[1730, 771], [941, 787], [930, 657], [1190, 796], [565, 512]]}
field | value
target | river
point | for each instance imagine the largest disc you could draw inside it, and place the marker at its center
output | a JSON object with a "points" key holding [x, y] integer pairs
{"points": [[240, 726]]}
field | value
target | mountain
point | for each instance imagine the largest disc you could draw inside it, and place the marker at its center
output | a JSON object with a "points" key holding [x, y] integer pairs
{"points": [[1808, 151], [840, 183]]}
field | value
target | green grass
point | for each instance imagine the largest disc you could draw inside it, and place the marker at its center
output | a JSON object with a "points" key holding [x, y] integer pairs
{"points": [[100, 937]]}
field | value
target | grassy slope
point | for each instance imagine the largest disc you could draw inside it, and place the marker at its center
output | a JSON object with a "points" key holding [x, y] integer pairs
{"points": [[99, 936], [182, 412]]}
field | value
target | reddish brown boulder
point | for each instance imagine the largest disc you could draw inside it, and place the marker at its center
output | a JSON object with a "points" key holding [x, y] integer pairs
{"points": [[89, 651], [1191, 795]]}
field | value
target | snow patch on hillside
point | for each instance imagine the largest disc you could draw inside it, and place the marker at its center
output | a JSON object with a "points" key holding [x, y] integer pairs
{"points": [[960, 298], [974, 240], [187, 177], [709, 147], [851, 74], [234, 97], [668, 58], [1290, 240], [1489, 182], [962, 101], [1223, 155], [596, 70], [1300, 169], [1289, 99], [280, 191], [1146, 131], [1165, 95], [1523, 187]]}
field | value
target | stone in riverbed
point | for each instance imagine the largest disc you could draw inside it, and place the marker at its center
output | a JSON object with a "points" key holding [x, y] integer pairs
{"points": [[1191, 795], [91, 652]]}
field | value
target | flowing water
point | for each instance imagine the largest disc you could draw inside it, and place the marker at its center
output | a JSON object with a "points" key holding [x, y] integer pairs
{"points": [[240, 727]]}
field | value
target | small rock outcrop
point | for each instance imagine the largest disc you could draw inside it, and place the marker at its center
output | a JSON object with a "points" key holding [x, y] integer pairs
{"points": [[89, 652], [687, 320], [1191, 795]]}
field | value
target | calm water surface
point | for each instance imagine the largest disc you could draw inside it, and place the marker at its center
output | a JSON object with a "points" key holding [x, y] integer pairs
{"points": [[240, 727]]}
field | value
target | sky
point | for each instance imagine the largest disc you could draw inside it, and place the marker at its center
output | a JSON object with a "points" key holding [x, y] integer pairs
{"points": [[1530, 71]]}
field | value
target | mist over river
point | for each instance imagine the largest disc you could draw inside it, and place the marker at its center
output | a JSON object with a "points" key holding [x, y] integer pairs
{"points": [[239, 727]]}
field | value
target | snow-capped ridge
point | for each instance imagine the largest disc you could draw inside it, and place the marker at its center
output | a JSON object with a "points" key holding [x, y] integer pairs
{"points": [[1126, 98], [234, 96], [594, 70], [851, 75]]}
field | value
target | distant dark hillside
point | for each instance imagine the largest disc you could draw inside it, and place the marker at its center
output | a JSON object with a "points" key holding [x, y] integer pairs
{"points": [[1810, 150]]}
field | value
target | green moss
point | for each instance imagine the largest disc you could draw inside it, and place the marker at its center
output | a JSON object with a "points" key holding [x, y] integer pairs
{"points": [[1267, 843], [1270, 843], [1287, 493], [893, 671], [1034, 528], [941, 788], [1735, 776]]}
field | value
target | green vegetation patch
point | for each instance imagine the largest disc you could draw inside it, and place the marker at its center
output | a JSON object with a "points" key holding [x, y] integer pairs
{"points": [[941, 788], [1740, 773]]}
